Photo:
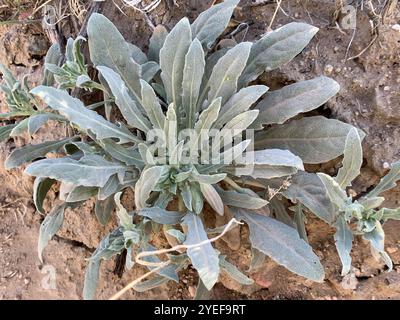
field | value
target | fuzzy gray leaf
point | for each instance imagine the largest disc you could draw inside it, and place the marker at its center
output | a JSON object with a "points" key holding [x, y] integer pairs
{"points": [[283, 244], [343, 241], [89, 171], [241, 200], [204, 258], [277, 48], [40, 188], [5, 131], [212, 197], [308, 189], [152, 106], [387, 182], [81, 193], [156, 42], [335, 192], [280, 105], [162, 216], [91, 279], [234, 273], [104, 209], [314, 139], [77, 113], [38, 120], [145, 185]]}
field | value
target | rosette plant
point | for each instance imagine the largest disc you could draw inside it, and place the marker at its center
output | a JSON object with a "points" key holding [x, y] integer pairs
{"points": [[185, 83]]}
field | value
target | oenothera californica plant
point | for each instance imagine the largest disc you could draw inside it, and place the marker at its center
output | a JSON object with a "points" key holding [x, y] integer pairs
{"points": [[185, 83]]}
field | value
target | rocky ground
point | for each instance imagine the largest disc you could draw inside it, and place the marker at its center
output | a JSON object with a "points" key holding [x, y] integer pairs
{"points": [[365, 61]]}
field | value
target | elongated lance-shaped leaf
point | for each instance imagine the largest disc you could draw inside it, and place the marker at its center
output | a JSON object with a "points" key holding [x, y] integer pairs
{"points": [[124, 218], [111, 187], [130, 156], [109, 48], [156, 42], [344, 242], [202, 293], [20, 128], [33, 151], [53, 56], [209, 25], [125, 103], [38, 120], [104, 209], [152, 106], [162, 216], [5, 131], [234, 273], [313, 139], [283, 244], [74, 110], [171, 128], [241, 200], [352, 159], [239, 103], [308, 189], [280, 105], [137, 54], [172, 61], [268, 163], [224, 77], [387, 182], [81, 193], [192, 78], [299, 222], [92, 274], [208, 117], [149, 71], [212, 197], [204, 258], [41, 187], [145, 185], [176, 154], [335, 192], [277, 48], [208, 178], [49, 227], [89, 171]]}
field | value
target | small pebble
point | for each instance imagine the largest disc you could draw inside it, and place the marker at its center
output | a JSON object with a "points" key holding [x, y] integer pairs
{"points": [[27, 281], [386, 88], [328, 69], [386, 165], [396, 27]]}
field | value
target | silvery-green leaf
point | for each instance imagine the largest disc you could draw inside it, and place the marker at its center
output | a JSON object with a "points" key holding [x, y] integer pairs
{"points": [[283, 244], [308, 189], [41, 187], [150, 284], [124, 154], [176, 154], [38, 120], [168, 271], [125, 103], [343, 241], [202, 293], [390, 214], [149, 70], [280, 105], [277, 48], [82, 80], [156, 42], [89, 171], [335, 192], [224, 77], [352, 160], [186, 195], [108, 48], [49, 227], [204, 258], [162, 216], [5, 131], [371, 203], [206, 120], [112, 186], [77, 113], [192, 78], [241, 200], [209, 25], [137, 54], [388, 181], [177, 234], [197, 198], [314, 139], [299, 221], [81, 193], [208, 179], [239, 103], [31, 152], [104, 209], [212, 197], [152, 106], [233, 272], [172, 60], [53, 56], [171, 128], [268, 163], [91, 279], [145, 154], [145, 185], [20, 128]]}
